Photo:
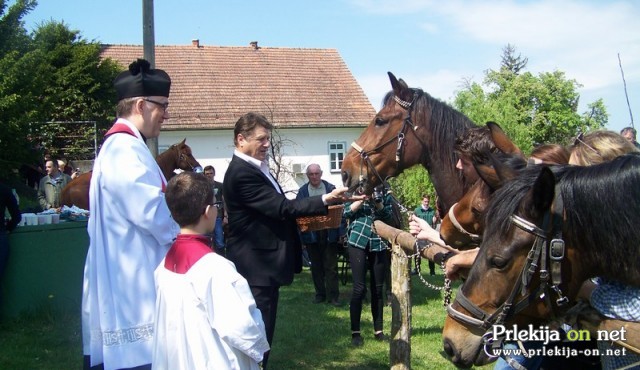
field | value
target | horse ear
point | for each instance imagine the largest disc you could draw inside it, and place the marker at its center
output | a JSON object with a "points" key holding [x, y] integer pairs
{"points": [[543, 191], [398, 86], [183, 140], [395, 85], [489, 175], [501, 140]]}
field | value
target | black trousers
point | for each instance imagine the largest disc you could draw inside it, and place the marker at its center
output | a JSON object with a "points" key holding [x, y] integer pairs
{"points": [[361, 261], [266, 298]]}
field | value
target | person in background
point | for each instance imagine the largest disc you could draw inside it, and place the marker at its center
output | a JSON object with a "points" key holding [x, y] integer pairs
{"points": [[629, 133], [428, 214], [8, 202], [599, 146], [206, 317], [221, 220], [263, 239], [473, 146], [549, 154], [322, 245], [367, 251], [130, 228], [51, 186]]}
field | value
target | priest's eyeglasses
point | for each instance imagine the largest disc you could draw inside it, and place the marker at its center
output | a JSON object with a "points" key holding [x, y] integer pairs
{"points": [[163, 105]]}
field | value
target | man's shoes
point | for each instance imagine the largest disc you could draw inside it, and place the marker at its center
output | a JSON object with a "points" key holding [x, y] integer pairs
{"points": [[356, 340], [335, 303], [380, 337], [318, 299]]}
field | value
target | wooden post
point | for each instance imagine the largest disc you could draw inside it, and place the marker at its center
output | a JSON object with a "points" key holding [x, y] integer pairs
{"points": [[149, 50], [400, 347], [402, 243]]}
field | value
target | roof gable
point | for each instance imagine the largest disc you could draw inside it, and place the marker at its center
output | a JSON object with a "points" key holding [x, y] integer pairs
{"points": [[212, 86]]}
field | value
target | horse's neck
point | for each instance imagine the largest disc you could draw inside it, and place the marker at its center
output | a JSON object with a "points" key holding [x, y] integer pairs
{"points": [[448, 184], [166, 162]]}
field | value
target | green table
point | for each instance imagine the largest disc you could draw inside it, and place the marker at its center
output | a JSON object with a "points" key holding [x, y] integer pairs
{"points": [[45, 268]]}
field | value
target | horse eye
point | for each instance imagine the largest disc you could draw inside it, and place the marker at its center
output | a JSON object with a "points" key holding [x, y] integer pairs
{"points": [[381, 121], [498, 262]]}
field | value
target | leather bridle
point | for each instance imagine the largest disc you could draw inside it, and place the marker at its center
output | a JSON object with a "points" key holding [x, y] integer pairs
{"points": [[546, 250], [184, 157], [399, 138]]}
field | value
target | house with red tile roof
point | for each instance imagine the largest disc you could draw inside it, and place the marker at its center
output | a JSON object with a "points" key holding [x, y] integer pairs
{"points": [[315, 103]]}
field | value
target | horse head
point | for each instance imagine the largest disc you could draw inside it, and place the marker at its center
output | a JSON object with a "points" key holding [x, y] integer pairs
{"points": [[388, 145], [411, 128], [178, 156], [501, 287]]}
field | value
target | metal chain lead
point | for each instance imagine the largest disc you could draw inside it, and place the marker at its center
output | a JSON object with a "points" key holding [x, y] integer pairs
{"points": [[417, 256]]}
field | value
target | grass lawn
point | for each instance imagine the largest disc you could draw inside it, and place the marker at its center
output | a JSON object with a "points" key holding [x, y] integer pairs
{"points": [[308, 335]]}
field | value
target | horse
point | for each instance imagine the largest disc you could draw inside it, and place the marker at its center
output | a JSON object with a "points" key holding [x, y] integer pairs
{"points": [[463, 225], [178, 156], [411, 128], [548, 229]]}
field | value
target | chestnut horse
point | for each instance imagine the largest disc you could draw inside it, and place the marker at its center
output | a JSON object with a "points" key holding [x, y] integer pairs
{"points": [[550, 229], [411, 128], [463, 225], [178, 156]]}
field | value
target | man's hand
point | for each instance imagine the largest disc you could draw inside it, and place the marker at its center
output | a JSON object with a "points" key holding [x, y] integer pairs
{"points": [[340, 195]]}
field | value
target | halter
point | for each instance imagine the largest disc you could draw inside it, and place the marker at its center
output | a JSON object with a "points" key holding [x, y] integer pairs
{"points": [[537, 256], [475, 238], [364, 154]]}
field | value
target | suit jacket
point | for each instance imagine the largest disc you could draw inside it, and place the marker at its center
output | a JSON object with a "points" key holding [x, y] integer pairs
{"points": [[263, 239]]}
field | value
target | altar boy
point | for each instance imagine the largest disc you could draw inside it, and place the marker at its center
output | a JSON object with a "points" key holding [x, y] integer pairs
{"points": [[206, 317]]}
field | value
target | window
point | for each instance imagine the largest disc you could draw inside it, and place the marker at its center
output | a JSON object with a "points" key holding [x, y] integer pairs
{"points": [[337, 150]]}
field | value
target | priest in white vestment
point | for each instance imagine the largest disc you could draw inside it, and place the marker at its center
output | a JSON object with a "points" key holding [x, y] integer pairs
{"points": [[130, 227]]}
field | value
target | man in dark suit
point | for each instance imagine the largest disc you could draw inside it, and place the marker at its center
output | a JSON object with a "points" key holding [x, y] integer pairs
{"points": [[263, 240]]}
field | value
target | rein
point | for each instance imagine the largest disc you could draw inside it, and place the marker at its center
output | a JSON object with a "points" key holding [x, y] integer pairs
{"points": [[543, 246], [364, 154]]}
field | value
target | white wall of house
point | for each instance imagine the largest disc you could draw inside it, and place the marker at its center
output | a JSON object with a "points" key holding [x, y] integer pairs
{"points": [[302, 146]]}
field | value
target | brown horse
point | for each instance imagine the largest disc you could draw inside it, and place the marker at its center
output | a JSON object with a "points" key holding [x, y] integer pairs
{"points": [[550, 229], [411, 128], [178, 156], [463, 225]]}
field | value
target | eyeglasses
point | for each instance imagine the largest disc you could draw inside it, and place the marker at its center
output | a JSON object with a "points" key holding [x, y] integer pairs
{"points": [[163, 105], [218, 205], [580, 139]]}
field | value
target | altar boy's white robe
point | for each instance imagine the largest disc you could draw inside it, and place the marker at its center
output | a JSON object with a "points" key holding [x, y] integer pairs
{"points": [[130, 230], [206, 317]]}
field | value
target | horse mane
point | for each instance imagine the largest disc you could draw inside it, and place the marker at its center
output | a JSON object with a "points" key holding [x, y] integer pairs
{"points": [[602, 212], [451, 124]]}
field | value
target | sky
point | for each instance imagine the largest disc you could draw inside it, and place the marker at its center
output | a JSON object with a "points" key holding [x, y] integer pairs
{"points": [[438, 46]]}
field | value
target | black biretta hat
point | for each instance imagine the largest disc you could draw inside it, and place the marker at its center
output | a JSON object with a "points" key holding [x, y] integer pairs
{"points": [[142, 80]]}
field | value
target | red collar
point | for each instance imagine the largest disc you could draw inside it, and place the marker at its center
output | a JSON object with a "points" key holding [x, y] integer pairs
{"points": [[186, 251]]}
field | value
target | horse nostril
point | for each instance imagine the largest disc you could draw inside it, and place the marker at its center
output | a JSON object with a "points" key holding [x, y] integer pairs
{"points": [[345, 177], [448, 349]]}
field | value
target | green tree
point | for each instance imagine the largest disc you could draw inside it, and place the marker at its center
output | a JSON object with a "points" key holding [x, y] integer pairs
{"points": [[47, 78], [79, 88]]}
